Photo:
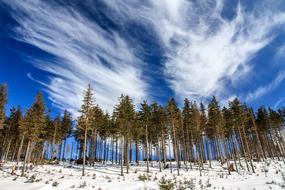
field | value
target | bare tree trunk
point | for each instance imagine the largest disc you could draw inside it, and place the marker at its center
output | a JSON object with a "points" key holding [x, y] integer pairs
{"points": [[257, 139], [112, 150], [163, 147], [43, 153], [226, 155], [243, 149], [26, 157], [147, 149], [32, 146], [20, 149], [53, 143], [84, 148], [7, 150], [122, 153], [131, 151], [126, 151], [105, 150], [248, 150], [234, 153], [116, 150], [15, 150], [137, 152], [199, 158], [175, 148], [170, 161], [158, 154], [208, 153]]}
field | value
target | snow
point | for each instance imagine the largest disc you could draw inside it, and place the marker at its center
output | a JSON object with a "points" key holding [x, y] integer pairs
{"points": [[269, 175]]}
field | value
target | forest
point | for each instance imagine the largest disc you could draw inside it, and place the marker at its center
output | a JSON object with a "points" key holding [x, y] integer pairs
{"points": [[173, 138]]}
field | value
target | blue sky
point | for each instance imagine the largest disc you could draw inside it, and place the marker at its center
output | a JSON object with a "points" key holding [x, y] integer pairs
{"points": [[147, 49]]}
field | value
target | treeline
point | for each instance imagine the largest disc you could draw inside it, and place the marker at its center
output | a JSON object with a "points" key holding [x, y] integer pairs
{"points": [[172, 137]]}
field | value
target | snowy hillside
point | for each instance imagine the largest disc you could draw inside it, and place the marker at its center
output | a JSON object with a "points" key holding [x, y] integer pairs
{"points": [[269, 175]]}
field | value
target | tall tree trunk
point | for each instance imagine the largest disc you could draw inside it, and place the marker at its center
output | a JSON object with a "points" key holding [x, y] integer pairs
{"points": [[198, 150], [64, 150], [137, 152], [84, 148], [116, 150], [163, 150], [226, 154], [53, 143], [26, 157], [147, 149], [169, 152], [15, 150], [112, 150], [43, 153], [243, 149], [126, 151], [131, 152], [248, 150], [20, 149], [60, 151], [208, 153], [122, 153], [234, 153], [158, 154], [7, 150], [105, 150], [257, 138], [175, 148]]}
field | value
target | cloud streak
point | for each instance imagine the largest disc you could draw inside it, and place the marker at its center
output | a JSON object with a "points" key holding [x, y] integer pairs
{"points": [[204, 49], [205, 53], [262, 90], [82, 53]]}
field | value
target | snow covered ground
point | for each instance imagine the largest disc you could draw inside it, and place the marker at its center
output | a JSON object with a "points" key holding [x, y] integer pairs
{"points": [[269, 175]]}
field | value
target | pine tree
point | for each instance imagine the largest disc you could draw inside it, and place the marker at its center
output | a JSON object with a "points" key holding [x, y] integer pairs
{"points": [[125, 116], [174, 122], [56, 135], [96, 125], [11, 131], [66, 128], [145, 118], [34, 122], [85, 117], [187, 114], [195, 122]]}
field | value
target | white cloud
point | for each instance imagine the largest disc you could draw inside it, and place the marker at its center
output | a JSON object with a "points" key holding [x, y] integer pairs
{"points": [[277, 104], [209, 48], [81, 48], [203, 48], [262, 90]]}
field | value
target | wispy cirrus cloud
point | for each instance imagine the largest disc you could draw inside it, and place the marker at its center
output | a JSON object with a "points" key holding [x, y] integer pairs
{"points": [[203, 48], [82, 53], [205, 53], [277, 104], [262, 90]]}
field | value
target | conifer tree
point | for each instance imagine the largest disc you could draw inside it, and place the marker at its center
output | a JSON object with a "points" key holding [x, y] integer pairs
{"points": [[187, 114], [86, 109], [56, 134], [125, 116], [174, 122], [34, 122], [66, 127], [145, 118], [11, 131]]}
